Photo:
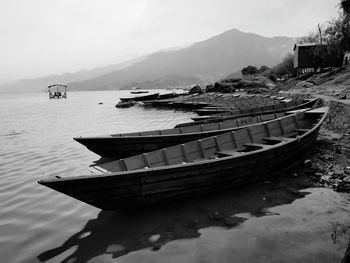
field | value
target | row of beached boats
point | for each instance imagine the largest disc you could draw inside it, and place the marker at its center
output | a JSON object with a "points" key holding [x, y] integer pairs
{"points": [[127, 102], [222, 151]]}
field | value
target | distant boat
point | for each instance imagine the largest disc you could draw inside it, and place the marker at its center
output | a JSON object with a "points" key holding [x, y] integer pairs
{"points": [[139, 92], [198, 167], [141, 98], [125, 104]]}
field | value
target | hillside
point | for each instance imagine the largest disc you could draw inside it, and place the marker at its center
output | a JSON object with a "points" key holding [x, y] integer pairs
{"points": [[40, 84], [207, 60], [332, 83]]}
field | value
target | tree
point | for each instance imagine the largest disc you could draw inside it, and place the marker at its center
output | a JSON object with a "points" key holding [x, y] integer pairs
{"points": [[345, 6], [263, 69], [286, 67], [331, 36], [249, 70]]}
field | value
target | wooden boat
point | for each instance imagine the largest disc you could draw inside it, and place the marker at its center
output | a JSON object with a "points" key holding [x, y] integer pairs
{"points": [[142, 98], [125, 104], [197, 167], [243, 104], [205, 111], [139, 92], [288, 106], [187, 101], [168, 96], [128, 144]]}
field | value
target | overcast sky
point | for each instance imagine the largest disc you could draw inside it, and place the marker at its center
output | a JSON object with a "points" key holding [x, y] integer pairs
{"points": [[41, 37]]}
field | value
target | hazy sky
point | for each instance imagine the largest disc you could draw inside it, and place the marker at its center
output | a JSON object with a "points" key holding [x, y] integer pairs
{"points": [[41, 37]]}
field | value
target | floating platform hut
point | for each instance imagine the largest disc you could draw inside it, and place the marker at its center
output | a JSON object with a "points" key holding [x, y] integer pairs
{"points": [[57, 91]]}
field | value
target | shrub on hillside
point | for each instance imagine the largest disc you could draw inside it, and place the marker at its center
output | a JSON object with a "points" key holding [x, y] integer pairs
{"points": [[286, 67]]}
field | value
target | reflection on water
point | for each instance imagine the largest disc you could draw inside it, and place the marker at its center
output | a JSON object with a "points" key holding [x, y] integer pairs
{"points": [[119, 233], [266, 222]]}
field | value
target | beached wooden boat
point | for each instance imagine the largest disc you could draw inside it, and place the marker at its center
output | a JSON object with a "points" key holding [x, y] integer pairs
{"points": [[290, 105], [125, 104], [187, 101], [198, 167], [128, 144], [142, 98], [167, 96], [243, 103]]}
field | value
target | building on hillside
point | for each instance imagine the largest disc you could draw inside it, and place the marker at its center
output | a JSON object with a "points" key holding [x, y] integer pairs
{"points": [[308, 57]]}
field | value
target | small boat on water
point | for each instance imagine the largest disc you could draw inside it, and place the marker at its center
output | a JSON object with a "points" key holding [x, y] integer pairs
{"points": [[139, 92], [207, 165], [142, 98], [125, 104]]}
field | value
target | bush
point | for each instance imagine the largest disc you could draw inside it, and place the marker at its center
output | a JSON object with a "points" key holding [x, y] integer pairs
{"points": [[249, 70], [286, 67]]}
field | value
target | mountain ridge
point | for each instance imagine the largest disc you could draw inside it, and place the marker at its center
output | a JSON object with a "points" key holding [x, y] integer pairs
{"points": [[207, 60], [203, 61], [40, 84]]}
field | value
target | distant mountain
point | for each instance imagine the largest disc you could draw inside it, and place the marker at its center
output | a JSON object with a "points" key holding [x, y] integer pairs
{"points": [[207, 60], [40, 84]]}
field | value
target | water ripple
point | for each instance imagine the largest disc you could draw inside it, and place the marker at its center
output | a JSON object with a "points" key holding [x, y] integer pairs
{"points": [[36, 140]]}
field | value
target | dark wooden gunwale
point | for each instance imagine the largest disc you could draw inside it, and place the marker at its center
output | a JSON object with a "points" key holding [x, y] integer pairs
{"points": [[128, 189]]}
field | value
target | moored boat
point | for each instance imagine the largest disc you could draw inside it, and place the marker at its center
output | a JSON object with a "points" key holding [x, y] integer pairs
{"points": [[252, 111], [167, 96], [139, 92], [127, 144], [142, 98], [211, 164]]}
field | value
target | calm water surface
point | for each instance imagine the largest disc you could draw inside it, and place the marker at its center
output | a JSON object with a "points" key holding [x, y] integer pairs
{"points": [[275, 221]]}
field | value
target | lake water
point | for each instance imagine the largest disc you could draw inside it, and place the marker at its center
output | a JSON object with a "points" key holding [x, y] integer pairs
{"points": [[274, 221]]}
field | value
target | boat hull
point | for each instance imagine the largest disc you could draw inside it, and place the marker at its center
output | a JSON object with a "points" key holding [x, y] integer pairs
{"points": [[118, 147], [151, 186]]}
